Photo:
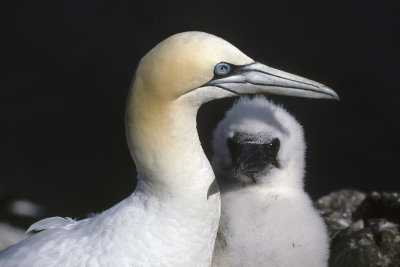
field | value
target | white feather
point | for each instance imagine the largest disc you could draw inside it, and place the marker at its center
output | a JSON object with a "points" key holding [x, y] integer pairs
{"points": [[51, 223]]}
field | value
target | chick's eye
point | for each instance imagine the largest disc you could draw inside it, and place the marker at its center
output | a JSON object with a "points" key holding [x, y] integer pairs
{"points": [[222, 69], [274, 146]]}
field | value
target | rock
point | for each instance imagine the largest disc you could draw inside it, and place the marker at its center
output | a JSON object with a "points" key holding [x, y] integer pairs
{"points": [[380, 205], [337, 209], [364, 229]]}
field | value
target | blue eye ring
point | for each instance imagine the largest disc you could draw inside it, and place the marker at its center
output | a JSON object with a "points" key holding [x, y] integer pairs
{"points": [[222, 69]]}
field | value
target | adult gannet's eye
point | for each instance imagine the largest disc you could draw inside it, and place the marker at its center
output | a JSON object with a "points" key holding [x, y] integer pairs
{"points": [[222, 69]]}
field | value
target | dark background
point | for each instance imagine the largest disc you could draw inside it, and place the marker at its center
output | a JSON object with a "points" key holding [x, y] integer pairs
{"points": [[66, 67]]}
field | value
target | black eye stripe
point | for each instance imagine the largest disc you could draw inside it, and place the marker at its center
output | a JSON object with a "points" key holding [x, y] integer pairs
{"points": [[234, 70]]}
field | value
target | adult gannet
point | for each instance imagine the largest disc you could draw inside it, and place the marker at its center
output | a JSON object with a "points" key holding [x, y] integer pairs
{"points": [[266, 217], [171, 219]]}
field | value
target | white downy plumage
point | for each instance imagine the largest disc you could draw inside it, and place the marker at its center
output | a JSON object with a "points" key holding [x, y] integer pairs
{"points": [[171, 219], [266, 219]]}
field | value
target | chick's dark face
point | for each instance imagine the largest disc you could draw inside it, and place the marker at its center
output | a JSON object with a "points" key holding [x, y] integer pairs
{"points": [[252, 155]]}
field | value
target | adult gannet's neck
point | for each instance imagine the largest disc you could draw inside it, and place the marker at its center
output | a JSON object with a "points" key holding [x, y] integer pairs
{"points": [[164, 143]]}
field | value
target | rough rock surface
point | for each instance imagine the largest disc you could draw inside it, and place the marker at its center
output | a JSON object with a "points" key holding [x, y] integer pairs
{"points": [[364, 228]]}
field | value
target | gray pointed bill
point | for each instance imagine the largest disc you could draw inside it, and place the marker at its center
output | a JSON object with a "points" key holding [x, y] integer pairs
{"points": [[258, 78]]}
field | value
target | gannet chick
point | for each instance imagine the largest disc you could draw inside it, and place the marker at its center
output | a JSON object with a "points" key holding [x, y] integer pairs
{"points": [[171, 219], [266, 217]]}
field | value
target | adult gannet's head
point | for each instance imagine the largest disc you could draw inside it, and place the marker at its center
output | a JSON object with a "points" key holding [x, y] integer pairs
{"points": [[180, 74], [188, 62], [259, 142]]}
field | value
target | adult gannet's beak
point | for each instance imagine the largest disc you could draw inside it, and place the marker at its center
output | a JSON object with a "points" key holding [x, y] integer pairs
{"points": [[259, 78]]}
